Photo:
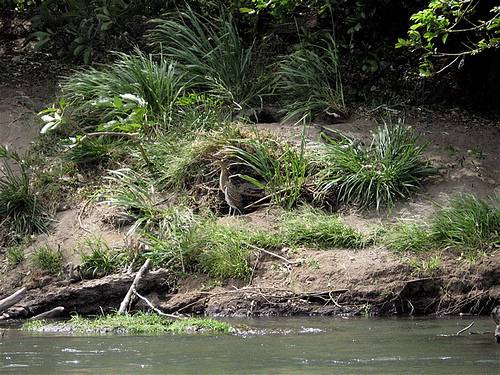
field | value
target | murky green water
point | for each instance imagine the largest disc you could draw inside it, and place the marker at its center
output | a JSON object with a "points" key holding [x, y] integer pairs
{"points": [[282, 346]]}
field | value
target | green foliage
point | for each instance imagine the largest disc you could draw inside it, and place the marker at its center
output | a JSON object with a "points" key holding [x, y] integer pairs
{"points": [[213, 56], [98, 259], [451, 30], [48, 260], [138, 323], [425, 267], [276, 167], [316, 228], [409, 237], [88, 152], [21, 212], [223, 251], [15, 255], [391, 167], [468, 224], [169, 243], [128, 93], [310, 82]]}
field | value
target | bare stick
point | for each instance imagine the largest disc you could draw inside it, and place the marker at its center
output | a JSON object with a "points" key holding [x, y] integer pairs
{"points": [[54, 313], [272, 254], [126, 301], [12, 299], [465, 329], [155, 309]]}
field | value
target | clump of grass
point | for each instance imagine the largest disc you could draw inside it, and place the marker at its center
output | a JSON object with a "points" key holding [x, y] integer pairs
{"points": [[15, 255], [92, 93], [409, 236], [314, 227], [170, 242], [311, 82], [89, 152], [48, 260], [224, 252], [138, 323], [425, 267], [468, 224], [21, 211], [98, 259], [391, 167], [213, 56], [275, 167]]}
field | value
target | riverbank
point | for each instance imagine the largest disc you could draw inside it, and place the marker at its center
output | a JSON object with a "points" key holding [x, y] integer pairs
{"points": [[335, 258]]}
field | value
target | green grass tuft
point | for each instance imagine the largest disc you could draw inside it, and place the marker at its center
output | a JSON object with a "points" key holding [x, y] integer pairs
{"points": [[311, 82], [98, 259], [15, 255], [391, 167], [48, 260], [409, 236], [467, 224]]}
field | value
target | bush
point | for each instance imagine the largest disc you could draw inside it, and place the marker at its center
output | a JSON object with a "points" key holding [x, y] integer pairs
{"points": [[391, 167], [48, 260], [90, 152], [311, 82], [212, 54], [21, 211], [133, 89]]}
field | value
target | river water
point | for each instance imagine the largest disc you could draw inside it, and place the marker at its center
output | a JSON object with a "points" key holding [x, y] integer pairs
{"points": [[274, 346]]}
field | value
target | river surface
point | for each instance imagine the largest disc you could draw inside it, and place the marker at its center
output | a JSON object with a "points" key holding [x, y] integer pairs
{"points": [[274, 346]]}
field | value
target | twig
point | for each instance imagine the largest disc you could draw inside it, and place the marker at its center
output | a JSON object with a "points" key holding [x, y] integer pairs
{"points": [[124, 305], [465, 329], [155, 309], [271, 253]]}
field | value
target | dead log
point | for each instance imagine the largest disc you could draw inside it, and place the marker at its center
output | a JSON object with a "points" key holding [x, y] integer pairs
{"points": [[12, 299], [54, 313], [126, 301]]}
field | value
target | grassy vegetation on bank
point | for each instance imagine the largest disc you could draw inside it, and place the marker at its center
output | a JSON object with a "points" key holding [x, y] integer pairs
{"points": [[138, 323]]}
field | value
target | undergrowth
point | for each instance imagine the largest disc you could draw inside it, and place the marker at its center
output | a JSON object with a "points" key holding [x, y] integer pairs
{"points": [[48, 260]]}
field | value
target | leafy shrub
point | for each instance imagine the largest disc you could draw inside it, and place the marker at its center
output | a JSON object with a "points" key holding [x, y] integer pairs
{"points": [[48, 260], [310, 82], [21, 211], [213, 55], [391, 167], [124, 88], [468, 224], [450, 31], [99, 260]]}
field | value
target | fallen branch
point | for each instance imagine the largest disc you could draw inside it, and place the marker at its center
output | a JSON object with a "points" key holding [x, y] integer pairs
{"points": [[12, 299], [54, 313], [126, 301], [465, 329], [272, 254], [155, 309]]}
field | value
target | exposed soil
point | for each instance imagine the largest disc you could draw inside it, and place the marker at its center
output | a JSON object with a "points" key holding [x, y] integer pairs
{"points": [[373, 280]]}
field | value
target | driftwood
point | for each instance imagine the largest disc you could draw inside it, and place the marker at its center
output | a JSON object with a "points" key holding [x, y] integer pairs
{"points": [[126, 301], [54, 313], [12, 299], [155, 309], [465, 329]]}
